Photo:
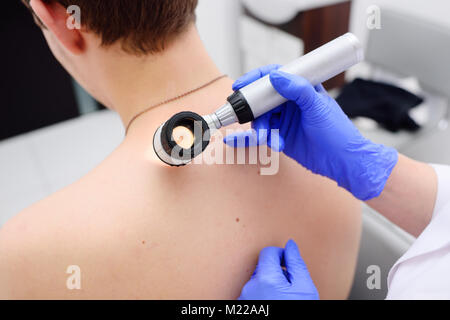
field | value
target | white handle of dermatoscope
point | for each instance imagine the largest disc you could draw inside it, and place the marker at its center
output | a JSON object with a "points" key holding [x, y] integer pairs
{"points": [[317, 66]]}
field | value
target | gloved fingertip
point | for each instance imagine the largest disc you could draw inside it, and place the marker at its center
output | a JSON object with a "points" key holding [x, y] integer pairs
{"points": [[231, 141], [282, 82], [320, 88], [279, 77], [294, 88], [243, 139], [238, 85], [279, 74], [276, 142], [291, 245], [282, 144], [262, 138], [271, 256], [285, 78], [293, 257], [262, 123]]}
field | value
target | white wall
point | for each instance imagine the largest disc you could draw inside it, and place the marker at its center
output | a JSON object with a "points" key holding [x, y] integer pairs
{"points": [[282, 11], [217, 21], [437, 11]]}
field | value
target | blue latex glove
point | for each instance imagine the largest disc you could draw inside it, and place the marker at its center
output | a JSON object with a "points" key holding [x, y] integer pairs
{"points": [[271, 282], [314, 131]]}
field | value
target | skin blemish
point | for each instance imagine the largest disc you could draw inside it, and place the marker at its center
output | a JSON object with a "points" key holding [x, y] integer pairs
{"points": [[237, 220], [183, 137], [143, 242]]}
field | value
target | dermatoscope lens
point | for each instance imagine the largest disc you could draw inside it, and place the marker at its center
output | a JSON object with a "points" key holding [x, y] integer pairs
{"points": [[182, 138]]}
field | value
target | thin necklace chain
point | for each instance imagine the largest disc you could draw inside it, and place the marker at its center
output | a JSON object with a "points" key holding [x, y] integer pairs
{"points": [[172, 100]]}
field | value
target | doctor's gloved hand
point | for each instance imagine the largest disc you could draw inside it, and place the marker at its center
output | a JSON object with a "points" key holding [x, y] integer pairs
{"points": [[314, 131], [271, 282]]}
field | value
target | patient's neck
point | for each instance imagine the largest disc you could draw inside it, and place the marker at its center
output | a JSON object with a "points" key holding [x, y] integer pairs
{"points": [[139, 82]]}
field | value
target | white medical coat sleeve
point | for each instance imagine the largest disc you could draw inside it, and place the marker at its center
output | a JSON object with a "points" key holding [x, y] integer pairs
{"points": [[423, 272]]}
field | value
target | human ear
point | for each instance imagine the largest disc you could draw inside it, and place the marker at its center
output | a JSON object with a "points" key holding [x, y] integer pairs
{"points": [[54, 16]]}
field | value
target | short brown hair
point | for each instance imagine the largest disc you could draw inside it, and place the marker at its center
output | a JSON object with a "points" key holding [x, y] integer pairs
{"points": [[143, 26]]}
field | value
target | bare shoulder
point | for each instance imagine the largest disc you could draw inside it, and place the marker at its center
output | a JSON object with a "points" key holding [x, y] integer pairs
{"points": [[44, 247], [32, 247], [73, 244]]}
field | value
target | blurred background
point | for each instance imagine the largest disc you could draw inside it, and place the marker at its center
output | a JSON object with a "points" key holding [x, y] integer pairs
{"points": [[399, 96]]}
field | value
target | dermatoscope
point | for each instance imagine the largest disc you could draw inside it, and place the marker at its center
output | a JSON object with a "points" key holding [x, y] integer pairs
{"points": [[186, 135]]}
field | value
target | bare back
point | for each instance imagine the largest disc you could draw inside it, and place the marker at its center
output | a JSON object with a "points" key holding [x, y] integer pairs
{"points": [[140, 230]]}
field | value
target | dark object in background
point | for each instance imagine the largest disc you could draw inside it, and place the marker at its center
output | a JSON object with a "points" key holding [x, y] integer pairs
{"points": [[35, 91], [386, 104]]}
